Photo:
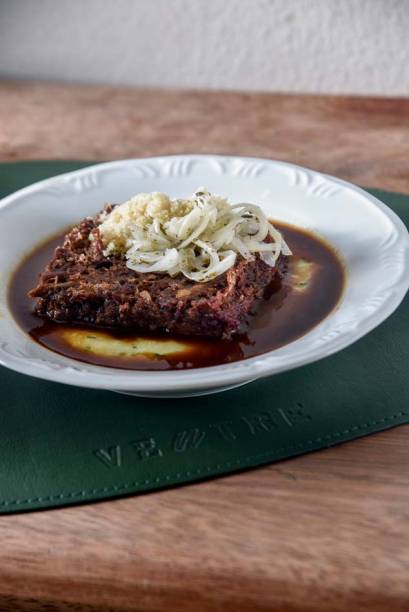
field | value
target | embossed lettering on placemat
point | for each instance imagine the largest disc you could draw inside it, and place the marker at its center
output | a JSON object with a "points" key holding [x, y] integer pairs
{"points": [[63, 445]]}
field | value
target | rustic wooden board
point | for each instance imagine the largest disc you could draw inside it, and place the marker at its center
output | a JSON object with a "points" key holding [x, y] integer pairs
{"points": [[326, 531]]}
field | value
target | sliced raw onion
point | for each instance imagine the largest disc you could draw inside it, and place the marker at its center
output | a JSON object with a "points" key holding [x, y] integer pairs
{"points": [[203, 243]]}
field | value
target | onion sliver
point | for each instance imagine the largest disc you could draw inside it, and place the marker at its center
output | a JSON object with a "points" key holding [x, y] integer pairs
{"points": [[200, 237]]}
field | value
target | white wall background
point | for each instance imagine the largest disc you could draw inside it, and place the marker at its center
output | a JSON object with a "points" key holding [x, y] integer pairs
{"points": [[350, 46]]}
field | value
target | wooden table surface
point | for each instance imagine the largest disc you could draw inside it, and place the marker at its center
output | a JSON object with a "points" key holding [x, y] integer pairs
{"points": [[325, 531]]}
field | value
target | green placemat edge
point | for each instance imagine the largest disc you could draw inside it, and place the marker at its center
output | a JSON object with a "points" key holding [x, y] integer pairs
{"points": [[241, 399]]}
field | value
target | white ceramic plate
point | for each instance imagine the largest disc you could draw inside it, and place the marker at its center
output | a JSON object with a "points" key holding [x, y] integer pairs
{"points": [[370, 238]]}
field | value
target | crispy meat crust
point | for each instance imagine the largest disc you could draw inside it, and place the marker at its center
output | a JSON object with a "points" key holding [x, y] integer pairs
{"points": [[81, 285]]}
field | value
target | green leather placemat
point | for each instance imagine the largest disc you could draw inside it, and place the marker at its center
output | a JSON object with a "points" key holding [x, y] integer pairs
{"points": [[64, 445]]}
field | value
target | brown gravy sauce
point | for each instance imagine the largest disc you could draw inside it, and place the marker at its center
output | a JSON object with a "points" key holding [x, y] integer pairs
{"points": [[292, 309]]}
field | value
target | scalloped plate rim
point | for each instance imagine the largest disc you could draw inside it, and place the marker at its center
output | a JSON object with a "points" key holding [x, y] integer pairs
{"points": [[226, 374]]}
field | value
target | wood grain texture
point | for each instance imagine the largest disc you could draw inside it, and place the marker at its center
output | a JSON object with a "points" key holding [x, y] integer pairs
{"points": [[365, 140], [325, 531]]}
